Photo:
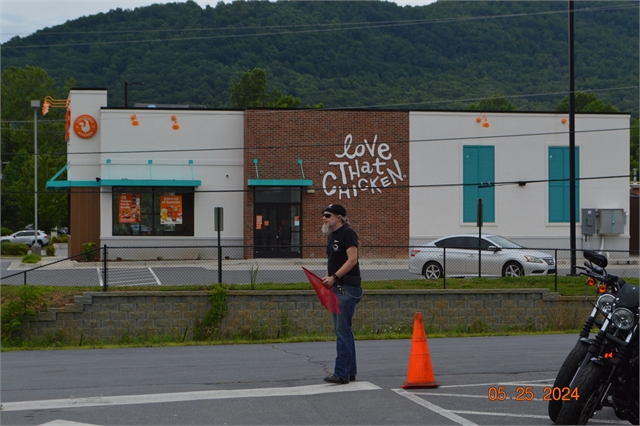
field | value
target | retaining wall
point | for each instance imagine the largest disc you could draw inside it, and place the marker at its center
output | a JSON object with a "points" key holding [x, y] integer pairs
{"points": [[110, 315]]}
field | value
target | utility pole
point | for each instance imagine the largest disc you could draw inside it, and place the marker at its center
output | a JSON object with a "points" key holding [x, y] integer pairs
{"points": [[35, 247], [572, 144]]}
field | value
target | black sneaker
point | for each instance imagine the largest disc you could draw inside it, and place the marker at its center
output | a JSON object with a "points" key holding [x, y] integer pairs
{"points": [[352, 378], [335, 379]]}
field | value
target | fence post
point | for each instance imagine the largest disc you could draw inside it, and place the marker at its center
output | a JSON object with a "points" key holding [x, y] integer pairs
{"points": [[104, 267], [556, 274], [444, 268]]}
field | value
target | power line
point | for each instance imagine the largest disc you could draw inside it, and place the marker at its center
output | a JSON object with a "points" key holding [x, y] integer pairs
{"points": [[325, 145], [352, 27], [395, 187]]}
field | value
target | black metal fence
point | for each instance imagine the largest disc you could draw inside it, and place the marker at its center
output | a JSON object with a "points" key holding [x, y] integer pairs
{"points": [[152, 267]]}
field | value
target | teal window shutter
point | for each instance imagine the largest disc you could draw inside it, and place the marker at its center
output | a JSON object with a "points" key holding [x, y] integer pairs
{"points": [[478, 177], [559, 184]]}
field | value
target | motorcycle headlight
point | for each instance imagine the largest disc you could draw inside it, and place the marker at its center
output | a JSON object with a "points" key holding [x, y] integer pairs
{"points": [[623, 318], [605, 302], [533, 259]]}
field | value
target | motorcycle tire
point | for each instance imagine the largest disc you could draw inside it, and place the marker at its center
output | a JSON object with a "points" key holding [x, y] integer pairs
{"points": [[566, 373], [578, 411]]}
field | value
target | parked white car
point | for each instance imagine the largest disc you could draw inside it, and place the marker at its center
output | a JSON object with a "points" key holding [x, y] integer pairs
{"points": [[26, 237], [458, 255]]}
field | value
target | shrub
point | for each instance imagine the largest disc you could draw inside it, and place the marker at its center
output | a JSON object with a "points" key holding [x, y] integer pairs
{"points": [[11, 249], [28, 301], [90, 251], [60, 239], [210, 324], [5, 231], [51, 250], [31, 258]]}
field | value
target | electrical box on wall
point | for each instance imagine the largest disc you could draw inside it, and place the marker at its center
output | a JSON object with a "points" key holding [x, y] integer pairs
{"points": [[612, 221], [589, 221]]}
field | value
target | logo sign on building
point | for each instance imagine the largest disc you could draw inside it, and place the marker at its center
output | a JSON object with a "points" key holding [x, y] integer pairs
{"points": [[365, 167], [171, 209], [129, 208], [85, 126]]}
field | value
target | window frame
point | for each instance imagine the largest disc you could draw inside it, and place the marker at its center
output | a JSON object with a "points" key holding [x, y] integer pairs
{"points": [[150, 215]]}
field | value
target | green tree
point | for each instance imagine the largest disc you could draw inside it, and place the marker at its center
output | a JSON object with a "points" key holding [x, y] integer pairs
{"points": [[586, 102], [251, 91], [496, 102], [19, 86]]}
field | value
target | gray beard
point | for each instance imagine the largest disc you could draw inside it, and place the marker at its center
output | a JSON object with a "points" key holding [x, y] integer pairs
{"points": [[325, 229]]}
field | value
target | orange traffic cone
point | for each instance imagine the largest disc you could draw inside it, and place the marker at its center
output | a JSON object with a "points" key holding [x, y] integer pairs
{"points": [[420, 374]]}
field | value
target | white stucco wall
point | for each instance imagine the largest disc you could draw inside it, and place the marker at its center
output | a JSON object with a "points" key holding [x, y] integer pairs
{"points": [[521, 142], [84, 154], [213, 140]]}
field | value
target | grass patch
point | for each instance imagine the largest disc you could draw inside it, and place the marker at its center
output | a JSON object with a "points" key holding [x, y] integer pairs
{"points": [[58, 296], [31, 258]]}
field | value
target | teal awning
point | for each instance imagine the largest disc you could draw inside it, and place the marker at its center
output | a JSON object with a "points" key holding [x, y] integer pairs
{"points": [[64, 184]]}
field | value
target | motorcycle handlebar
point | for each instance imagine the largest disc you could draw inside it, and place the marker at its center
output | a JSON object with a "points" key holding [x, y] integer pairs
{"points": [[593, 274], [599, 274]]}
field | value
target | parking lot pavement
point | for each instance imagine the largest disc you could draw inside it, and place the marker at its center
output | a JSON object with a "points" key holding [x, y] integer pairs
{"points": [[282, 384]]}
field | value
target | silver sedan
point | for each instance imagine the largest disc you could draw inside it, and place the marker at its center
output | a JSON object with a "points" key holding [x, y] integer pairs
{"points": [[26, 237], [465, 255]]}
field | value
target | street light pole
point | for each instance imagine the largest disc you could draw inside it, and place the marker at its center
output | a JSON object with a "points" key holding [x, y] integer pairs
{"points": [[35, 248]]}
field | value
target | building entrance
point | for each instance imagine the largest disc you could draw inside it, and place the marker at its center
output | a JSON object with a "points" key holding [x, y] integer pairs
{"points": [[277, 223]]}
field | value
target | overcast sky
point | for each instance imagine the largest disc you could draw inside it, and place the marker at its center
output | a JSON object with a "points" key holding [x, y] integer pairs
{"points": [[24, 17]]}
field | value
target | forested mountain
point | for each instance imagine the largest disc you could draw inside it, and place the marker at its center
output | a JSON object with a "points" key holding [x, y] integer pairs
{"points": [[347, 54]]}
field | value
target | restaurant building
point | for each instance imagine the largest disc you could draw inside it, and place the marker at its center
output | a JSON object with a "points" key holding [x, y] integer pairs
{"points": [[153, 175]]}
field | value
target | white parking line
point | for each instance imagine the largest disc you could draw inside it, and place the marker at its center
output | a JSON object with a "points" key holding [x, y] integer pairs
{"points": [[453, 414], [528, 416], [451, 394], [184, 396], [529, 383], [436, 409]]}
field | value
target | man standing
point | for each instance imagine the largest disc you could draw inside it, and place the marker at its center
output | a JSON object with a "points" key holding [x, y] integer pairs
{"points": [[343, 276]]}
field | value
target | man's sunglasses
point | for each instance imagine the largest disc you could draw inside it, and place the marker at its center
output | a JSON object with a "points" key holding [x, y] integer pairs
{"points": [[327, 215]]}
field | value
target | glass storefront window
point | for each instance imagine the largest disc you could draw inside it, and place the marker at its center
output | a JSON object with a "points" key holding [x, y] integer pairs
{"points": [[152, 211]]}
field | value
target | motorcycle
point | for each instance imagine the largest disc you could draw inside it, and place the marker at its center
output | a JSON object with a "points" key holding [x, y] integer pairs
{"points": [[607, 288], [608, 376]]}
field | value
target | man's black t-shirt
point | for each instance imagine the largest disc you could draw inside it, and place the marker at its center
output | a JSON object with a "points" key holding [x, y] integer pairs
{"points": [[337, 244]]}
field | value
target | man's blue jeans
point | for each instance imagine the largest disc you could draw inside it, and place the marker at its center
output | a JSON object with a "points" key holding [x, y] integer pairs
{"points": [[345, 344]]}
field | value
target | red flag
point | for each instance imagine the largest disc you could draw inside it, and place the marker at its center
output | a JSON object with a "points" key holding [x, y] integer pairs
{"points": [[327, 297]]}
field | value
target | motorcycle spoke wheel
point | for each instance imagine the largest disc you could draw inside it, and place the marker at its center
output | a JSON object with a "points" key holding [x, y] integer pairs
{"points": [[565, 375], [578, 411], [588, 410]]}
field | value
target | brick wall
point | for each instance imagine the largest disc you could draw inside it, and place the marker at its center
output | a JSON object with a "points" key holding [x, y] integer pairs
{"points": [[109, 316], [376, 191]]}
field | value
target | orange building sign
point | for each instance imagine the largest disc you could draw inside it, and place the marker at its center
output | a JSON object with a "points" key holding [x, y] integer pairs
{"points": [[85, 126]]}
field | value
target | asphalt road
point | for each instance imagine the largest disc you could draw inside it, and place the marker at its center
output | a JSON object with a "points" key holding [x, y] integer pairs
{"points": [[282, 384]]}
